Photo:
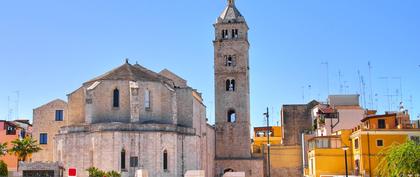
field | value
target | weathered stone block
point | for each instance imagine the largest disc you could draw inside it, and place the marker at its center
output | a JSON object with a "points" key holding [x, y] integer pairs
{"points": [[195, 173], [142, 173], [234, 174]]}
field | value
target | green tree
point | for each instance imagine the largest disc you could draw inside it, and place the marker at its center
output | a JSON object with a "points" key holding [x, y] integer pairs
{"points": [[399, 160], [24, 148], [3, 149], [3, 168]]}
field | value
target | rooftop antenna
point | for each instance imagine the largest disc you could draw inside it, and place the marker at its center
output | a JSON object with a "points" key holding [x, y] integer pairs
{"points": [[339, 80], [411, 102], [9, 110], [370, 84], [303, 94], [17, 104], [328, 77], [401, 89], [346, 87], [309, 88], [387, 91], [362, 88], [376, 101]]}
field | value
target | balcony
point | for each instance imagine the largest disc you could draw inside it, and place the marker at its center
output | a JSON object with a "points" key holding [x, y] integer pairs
{"points": [[325, 142]]}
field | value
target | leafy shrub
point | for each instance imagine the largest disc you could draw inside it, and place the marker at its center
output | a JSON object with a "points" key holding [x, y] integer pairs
{"points": [[3, 168], [95, 172]]}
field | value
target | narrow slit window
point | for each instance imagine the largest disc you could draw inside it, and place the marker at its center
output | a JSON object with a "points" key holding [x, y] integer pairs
{"points": [[147, 99], [165, 160], [123, 159], [116, 98]]}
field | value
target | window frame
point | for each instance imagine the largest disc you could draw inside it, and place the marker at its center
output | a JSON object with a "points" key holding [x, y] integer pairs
{"points": [[116, 98], [134, 161], [382, 143], [123, 164], [59, 115], [356, 143], [165, 161], [379, 123], [230, 113], [147, 100], [41, 138]]}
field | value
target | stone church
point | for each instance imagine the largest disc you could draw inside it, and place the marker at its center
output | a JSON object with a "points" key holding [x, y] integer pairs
{"points": [[132, 118]]}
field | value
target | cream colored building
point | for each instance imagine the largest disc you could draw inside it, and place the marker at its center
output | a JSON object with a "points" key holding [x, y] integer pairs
{"points": [[132, 118], [128, 119]]}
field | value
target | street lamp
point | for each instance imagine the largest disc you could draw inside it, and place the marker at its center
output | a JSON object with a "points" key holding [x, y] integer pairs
{"points": [[268, 142], [345, 148]]}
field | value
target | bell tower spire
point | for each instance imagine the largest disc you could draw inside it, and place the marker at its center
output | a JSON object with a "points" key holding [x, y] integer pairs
{"points": [[231, 2], [231, 73]]}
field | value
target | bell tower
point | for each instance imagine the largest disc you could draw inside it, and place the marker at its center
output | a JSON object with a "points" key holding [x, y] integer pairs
{"points": [[231, 74]]}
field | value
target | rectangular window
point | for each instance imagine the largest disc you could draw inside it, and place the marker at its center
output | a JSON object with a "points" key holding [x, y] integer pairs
{"points": [[123, 159], [43, 138], [381, 123], [59, 115], [134, 161], [10, 130], [147, 99], [356, 143], [379, 142]]}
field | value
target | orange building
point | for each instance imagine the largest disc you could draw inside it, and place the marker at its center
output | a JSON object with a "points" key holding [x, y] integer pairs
{"points": [[10, 131]]}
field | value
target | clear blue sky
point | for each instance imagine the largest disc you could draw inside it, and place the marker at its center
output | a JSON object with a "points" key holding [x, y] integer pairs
{"points": [[49, 48]]}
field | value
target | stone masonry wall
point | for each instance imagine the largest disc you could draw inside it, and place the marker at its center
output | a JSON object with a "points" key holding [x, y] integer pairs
{"points": [[44, 122]]}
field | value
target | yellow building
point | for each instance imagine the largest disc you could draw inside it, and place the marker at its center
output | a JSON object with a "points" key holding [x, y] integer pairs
{"points": [[260, 137], [284, 160], [326, 155], [375, 134], [365, 142]]}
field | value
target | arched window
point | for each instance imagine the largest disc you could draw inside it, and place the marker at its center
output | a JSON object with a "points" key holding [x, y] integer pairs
{"points": [[230, 85], [231, 116], [116, 99], [235, 33], [165, 160], [229, 61], [225, 34], [122, 159], [147, 99]]}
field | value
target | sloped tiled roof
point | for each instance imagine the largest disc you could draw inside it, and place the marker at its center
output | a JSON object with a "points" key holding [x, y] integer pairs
{"points": [[132, 73]]}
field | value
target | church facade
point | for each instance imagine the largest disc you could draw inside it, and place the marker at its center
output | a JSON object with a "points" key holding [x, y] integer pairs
{"points": [[132, 118]]}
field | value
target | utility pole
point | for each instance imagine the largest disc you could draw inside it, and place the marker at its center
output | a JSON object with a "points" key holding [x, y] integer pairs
{"points": [[268, 142]]}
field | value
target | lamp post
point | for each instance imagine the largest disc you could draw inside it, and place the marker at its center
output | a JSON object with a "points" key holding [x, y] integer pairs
{"points": [[345, 148], [268, 142]]}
